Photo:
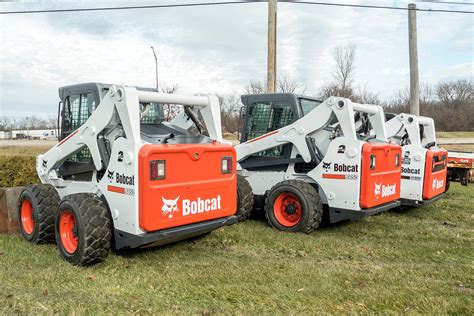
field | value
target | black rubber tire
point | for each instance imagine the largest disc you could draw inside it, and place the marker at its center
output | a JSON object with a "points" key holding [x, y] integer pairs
{"points": [[93, 225], [448, 184], [44, 200], [244, 199], [312, 207]]}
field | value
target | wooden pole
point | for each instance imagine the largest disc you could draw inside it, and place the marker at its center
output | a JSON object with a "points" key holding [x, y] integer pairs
{"points": [[413, 52], [271, 60]]}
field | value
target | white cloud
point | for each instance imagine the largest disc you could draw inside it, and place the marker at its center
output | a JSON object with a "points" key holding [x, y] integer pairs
{"points": [[218, 49]]}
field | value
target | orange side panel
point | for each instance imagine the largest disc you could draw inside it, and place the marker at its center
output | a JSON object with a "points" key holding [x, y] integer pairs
{"points": [[435, 173], [381, 184], [194, 189]]}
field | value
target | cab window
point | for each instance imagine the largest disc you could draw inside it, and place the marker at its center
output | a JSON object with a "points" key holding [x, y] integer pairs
{"points": [[265, 117], [308, 105]]}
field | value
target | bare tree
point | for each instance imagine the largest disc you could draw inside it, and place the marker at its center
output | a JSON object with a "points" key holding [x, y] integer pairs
{"points": [[230, 107], [285, 83], [170, 109], [290, 85], [343, 73], [255, 87], [343, 70], [365, 96], [5, 123], [460, 91]]}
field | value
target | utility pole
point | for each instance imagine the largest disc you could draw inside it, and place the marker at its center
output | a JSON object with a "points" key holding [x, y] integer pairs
{"points": [[271, 59], [156, 69], [414, 77]]}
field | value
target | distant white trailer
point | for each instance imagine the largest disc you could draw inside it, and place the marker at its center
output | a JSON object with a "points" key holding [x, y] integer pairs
{"points": [[35, 134], [6, 135]]}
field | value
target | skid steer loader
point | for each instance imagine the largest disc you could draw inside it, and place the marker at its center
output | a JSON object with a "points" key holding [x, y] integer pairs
{"points": [[121, 177], [424, 165], [301, 155]]}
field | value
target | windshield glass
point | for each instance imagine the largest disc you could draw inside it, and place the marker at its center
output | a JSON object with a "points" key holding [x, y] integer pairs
{"points": [[151, 113], [308, 105]]}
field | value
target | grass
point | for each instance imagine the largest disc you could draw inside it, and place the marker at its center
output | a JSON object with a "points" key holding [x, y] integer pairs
{"points": [[460, 147], [22, 151], [455, 134], [414, 261]]}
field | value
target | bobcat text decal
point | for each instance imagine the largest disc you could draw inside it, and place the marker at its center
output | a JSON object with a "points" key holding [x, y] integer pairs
{"points": [[411, 170], [190, 207], [341, 167], [385, 190], [437, 184]]}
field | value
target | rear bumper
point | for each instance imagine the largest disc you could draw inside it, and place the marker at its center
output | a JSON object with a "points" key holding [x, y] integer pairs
{"points": [[407, 202], [337, 215], [125, 240]]}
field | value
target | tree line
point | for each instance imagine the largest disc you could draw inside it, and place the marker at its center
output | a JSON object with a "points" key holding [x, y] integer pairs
{"points": [[449, 103]]}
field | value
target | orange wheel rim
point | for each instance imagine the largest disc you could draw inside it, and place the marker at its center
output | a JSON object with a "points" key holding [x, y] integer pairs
{"points": [[287, 210], [27, 221], [68, 231]]}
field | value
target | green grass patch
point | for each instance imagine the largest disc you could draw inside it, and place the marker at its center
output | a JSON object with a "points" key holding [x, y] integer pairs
{"points": [[17, 171], [455, 134], [414, 261]]}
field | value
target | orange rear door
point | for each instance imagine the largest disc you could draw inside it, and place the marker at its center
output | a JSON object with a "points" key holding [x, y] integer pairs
{"points": [[381, 174], [194, 188], [435, 173]]}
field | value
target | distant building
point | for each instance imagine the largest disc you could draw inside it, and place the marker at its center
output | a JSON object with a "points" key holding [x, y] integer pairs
{"points": [[6, 135], [34, 134]]}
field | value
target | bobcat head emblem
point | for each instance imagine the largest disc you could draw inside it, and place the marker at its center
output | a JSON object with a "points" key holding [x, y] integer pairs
{"points": [[327, 165], [378, 189], [435, 182], [110, 175], [169, 207]]}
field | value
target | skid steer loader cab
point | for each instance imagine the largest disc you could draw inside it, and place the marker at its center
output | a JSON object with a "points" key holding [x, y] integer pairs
{"points": [[424, 165], [288, 137], [148, 182]]}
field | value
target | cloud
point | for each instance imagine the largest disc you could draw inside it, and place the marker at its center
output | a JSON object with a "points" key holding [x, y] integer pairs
{"points": [[217, 49]]}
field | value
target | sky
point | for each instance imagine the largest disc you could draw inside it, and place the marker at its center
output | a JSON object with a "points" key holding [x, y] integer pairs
{"points": [[219, 49]]}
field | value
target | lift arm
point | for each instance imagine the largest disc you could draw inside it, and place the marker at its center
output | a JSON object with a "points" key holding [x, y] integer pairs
{"points": [[125, 101], [314, 121], [408, 124]]}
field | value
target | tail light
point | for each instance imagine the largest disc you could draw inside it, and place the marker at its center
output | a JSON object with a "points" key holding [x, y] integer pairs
{"points": [[227, 165], [157, 169], [372, 162], [397, 160]]}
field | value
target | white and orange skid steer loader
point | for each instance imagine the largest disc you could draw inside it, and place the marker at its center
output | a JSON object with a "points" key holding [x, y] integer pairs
{"points": [[424, 165], [302, 156], [122, 177]]}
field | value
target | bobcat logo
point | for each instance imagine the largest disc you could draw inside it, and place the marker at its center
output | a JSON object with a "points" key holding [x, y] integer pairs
{"points": [[327, 165], [169, 207], [378, 189], [110, 175], [44, 163]]}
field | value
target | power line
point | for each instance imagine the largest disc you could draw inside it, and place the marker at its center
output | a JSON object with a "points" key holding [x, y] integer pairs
{"points": [[367, 6], [133, 7], [447, 2], [230, 3]]}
